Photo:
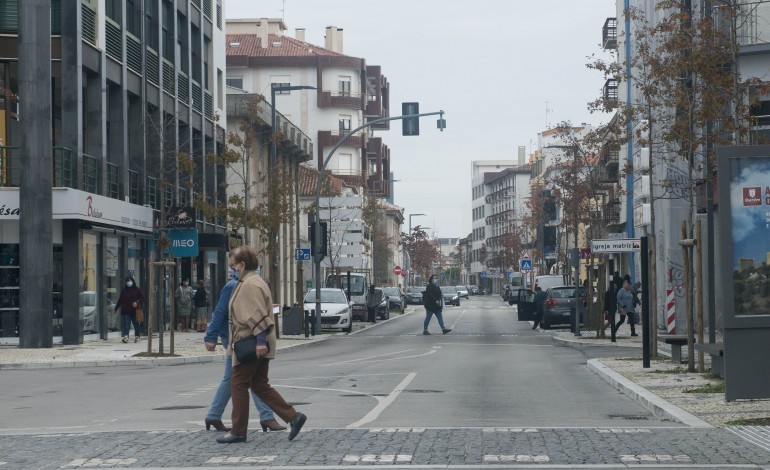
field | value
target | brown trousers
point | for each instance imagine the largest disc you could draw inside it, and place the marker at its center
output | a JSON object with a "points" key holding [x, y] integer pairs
{"points": [[253, 375]]}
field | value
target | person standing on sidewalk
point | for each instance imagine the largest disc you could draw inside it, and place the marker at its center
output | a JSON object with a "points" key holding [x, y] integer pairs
{"points": [[217, 329], [251, 314], [131, 298], [434, 305], [539, 307], [184, 304], [625, 299], [200, 303]]}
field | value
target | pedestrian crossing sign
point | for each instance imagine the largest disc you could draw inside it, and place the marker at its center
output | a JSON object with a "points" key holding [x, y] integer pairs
{"points": [[526, 265]]}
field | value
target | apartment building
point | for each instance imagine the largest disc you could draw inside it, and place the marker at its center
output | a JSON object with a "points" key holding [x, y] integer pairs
{"points": [[133, 84]]}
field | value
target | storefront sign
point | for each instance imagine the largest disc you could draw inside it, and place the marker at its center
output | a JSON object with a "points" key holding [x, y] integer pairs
{"points": [[184, 243], [70, 203], [180, 217]]}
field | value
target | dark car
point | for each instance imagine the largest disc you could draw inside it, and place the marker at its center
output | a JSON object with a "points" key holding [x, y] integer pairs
{"points": [[382, 310], [396, 301], [559, 302], [451, 296], [414, 295]]}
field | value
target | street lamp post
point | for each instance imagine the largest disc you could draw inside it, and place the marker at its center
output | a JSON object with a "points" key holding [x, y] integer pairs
{"points": [[409, 277], [317, 223], [274, 88]]}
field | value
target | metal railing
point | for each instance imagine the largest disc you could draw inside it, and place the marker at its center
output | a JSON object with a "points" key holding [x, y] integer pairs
{"points": [[183, 88], [153, 67], [10, 167], [168, 77], [63, 168], [197, 99], [89, 24], [114, 183], [151, 196], [610, 33], [133, 187], [207, 7], [91, 172], [133, 53], [209, 105], [113, 37]]}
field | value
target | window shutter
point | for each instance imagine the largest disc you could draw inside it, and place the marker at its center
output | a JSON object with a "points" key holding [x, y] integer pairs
{"points": [[9, 16]]}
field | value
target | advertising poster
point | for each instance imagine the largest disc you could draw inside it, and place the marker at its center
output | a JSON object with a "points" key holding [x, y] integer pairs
{"points": [[750, 206]]}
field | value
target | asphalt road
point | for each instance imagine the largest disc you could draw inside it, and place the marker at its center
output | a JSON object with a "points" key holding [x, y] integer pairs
{"points": [[493, 387]]}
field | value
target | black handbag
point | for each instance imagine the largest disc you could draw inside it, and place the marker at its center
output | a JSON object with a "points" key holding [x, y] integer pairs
{"points": [[245, 349]]}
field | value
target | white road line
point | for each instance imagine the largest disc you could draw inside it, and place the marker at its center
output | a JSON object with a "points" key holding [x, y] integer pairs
{"points": [[519, 458], [369, 357], [657, 458], [54, 428], [320, 389], [336, 376], [101, 463], [384, 402], [757, 435], [372, 458], [399, 358], [242, 459]]}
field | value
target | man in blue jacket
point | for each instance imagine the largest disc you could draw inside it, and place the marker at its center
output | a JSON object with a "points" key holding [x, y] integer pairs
{"points": [[217, 329]]}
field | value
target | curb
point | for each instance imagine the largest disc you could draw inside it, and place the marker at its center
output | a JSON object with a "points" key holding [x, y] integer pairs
{"points": [[578, 344], [659, 407], [166, 361]]}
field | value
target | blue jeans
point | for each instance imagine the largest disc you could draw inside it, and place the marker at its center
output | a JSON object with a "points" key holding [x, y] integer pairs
{"points": [[222, 396], [126, 321], [439, 317]]}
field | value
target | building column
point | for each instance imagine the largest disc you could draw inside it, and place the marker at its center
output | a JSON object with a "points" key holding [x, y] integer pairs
{"points": [[35, 198], [71, 253]]}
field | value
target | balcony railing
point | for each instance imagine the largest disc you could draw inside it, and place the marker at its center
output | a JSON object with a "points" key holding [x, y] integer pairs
{"points": [[197, 98], [133, 53], [91, 172], [610, 34], [63, 167], [168, 77], [113, 39], [89, 24], [611, 92], [134, 191], [153, 68], [10, 167], [612, 213], [114, 183], [183, 88], [208, 101]]}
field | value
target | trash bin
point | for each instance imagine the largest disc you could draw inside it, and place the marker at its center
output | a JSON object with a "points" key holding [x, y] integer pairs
{"points": [[292, 320]]}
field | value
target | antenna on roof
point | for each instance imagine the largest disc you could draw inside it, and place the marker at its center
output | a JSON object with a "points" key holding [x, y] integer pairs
{"points": [[547, 112], [283, 10]]}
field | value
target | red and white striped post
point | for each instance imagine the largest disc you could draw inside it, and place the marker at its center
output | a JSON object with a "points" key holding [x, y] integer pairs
{"points": [[670, 311]]}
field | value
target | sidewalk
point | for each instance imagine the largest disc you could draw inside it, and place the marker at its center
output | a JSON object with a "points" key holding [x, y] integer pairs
{"points": [[666, 389]]}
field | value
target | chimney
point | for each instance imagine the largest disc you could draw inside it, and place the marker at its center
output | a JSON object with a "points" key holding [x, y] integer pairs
{"points": [[263, 34], [334, 39], [299, 34], [522, 154]]}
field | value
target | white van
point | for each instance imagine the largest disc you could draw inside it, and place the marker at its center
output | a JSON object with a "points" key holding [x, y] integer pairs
{"points": [[546, 282]]}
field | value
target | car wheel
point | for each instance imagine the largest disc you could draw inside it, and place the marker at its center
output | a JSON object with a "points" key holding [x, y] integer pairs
{"points": [[349, 329], [386, 316]]}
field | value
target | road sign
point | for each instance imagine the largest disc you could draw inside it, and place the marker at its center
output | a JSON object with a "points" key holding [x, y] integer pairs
{"points": [[441, 273], [403, 273], [397, 270], [483, 274], [622, 245], [526, 265], [302, 254]]}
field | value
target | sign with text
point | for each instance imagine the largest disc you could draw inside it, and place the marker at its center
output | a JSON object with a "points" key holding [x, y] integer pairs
{"points": [[620, 245], [180, 217], [302, 254], [184, 243]]}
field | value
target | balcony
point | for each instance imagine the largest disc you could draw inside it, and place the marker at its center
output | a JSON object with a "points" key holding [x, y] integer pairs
{"points": [[612, 212], [344, 100], [606, 175], [10, 167], [377, 96], [611, 93], [332, 138], [610, 157], [610, 34]]}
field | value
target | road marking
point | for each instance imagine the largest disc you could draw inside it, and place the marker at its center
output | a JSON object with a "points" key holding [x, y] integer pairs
{"points": [[373, 458], [757, 435], [370, 359], [519, 458], [243, 459], [509, 430], [639, 458], [392, 430], [384, 402], [42, 429], [101, 463], [320, 389], [622, 430]]}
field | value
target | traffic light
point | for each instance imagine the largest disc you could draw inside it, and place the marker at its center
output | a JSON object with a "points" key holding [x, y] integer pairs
{"points": [[410, 126], [324, 237]]}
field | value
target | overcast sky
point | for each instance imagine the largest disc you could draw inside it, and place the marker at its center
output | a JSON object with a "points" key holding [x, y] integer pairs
{"points": [[491, 65]]}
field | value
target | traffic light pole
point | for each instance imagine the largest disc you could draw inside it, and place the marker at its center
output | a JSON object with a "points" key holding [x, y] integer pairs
{"points": [[318, 256]]}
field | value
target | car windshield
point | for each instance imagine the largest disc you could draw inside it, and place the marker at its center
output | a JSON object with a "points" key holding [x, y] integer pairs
{"points": [[88, 299], [332, 296], [391, 291], [448, 290]]}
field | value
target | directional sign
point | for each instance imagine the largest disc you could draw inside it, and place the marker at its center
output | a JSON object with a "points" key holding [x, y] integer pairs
{"points": [[302, 254], [526, 265], [397, 270], [621, 245]]}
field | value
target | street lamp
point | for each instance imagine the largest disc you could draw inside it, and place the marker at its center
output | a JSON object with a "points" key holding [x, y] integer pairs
{"points": [[274, 88], [410, 278]]}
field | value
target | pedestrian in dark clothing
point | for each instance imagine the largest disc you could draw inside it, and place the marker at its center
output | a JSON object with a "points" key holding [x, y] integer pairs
{"points": [[625, 300], [434, 305], [200, 303], [539, 307], [131, 298]]}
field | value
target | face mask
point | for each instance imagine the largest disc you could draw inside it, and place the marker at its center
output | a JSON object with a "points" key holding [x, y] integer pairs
{"points": [[129, 284], [435, 282], [233, 274]]}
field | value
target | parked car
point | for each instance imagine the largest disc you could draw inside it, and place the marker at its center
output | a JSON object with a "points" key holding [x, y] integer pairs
{"points": [[336, 311], [559, 302], [463, 291], [546, 282], [451, 296], [396, 301], [414, 295], [473, 290]]}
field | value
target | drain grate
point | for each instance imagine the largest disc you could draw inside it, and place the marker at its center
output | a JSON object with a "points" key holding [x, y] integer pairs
{"points": [[630, 417], [179, 407]]}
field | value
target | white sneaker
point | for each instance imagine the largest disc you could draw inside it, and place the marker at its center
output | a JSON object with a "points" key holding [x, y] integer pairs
{"points": [[125, 339], [136, 339]]}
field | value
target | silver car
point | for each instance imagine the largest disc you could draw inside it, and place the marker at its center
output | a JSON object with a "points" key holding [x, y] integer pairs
{"points": [[463, 291]]}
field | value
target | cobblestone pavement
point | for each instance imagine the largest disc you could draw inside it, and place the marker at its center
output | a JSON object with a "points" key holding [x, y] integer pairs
{"points": [[502, 447]]}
